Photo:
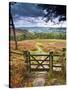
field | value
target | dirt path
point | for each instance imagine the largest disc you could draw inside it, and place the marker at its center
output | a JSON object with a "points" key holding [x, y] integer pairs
{"points": [[38, 78], [39, 49]]}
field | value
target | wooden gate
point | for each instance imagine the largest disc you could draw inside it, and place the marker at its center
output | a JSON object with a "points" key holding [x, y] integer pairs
{"points": [[39, 62], [44, 62]]}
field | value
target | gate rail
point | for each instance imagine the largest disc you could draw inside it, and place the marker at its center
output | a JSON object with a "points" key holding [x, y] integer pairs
{"points": [[28, 60], [27, 55]]}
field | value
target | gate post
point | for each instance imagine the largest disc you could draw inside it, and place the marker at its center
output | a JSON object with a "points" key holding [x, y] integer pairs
{"points": [[25, 53], [51, 63], [29, 62], [64, 62]]}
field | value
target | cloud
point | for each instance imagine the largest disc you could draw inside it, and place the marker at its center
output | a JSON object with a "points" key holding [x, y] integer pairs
{"points": [[37, 22], [24, 9], [30, 15]]}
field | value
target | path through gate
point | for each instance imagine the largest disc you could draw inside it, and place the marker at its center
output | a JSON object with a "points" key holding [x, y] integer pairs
{"points": [[42, 62], [39, 62]]}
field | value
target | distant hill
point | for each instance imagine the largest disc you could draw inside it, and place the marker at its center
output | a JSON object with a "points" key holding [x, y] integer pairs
{"points": [[39, 33], [43, 29], [18, 31], [22, 30]]}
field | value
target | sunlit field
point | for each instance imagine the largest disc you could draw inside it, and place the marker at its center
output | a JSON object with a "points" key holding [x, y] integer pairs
{"points": [[17, 62]]}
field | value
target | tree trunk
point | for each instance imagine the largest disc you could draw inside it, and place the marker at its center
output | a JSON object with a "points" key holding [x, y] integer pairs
{"points": [[13, 27]]}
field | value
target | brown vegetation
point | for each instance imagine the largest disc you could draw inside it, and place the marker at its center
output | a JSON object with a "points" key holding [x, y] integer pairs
{"points": [[19, 77]]}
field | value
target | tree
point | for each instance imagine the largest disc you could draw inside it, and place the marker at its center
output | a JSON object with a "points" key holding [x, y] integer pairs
{"points": [[12, 24], [53, 11]]}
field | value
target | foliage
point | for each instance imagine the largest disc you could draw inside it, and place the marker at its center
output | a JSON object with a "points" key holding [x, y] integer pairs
{"points": [[39, 35], [53, 11]]}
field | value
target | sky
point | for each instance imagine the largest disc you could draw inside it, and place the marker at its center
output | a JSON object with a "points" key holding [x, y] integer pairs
{"points": [[30, 15]]}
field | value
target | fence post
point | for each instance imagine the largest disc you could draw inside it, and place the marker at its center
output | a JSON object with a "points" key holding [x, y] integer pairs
{"points": [[29, 66], [25, 53], [64, 61], [51, 63]]}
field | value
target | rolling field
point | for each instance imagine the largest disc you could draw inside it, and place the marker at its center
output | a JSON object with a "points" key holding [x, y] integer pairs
{"points": [[45, 45], [17, 62]]}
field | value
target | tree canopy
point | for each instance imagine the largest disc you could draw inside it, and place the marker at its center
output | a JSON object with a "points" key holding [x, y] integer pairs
{"points": [[53, 11]]}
